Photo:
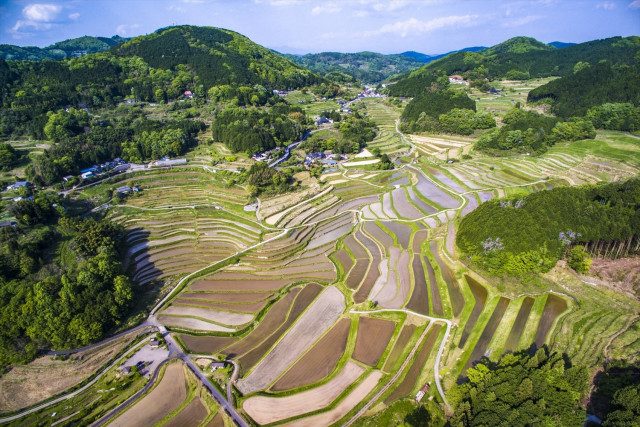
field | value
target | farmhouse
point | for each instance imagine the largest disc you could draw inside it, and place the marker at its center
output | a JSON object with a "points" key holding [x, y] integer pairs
{"points": [[123, 190], [18, 185], [422, 392], [323, 121], [168, 162], [456, 79]]}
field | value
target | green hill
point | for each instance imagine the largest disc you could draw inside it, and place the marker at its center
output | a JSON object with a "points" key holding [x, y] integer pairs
{"points": [[64, 49], [368, 67], [523, 57]]}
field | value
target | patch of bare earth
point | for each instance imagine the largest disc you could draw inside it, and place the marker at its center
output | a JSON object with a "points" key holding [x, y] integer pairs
{"points": [[27, 384], [622, 274]]}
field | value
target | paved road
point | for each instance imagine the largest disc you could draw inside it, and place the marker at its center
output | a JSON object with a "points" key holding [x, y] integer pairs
{"points": [[143, 325]]}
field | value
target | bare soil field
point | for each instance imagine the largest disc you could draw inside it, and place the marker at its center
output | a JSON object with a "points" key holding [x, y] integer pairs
{"points": [[404, 337], [217, 421], [622, 273], [519, 324], [356, 249], [192, 324], [386, 285], [270, 322], [247, 308], [223, 317], [409, 381], [372, 228], [402, 232], [457, 300], [435, 291], [344, 259], [480, 294], [308, 294], [485, 338], [206, 345], [330, 417], [372, 274], [27, 384], [355, 276], [228, 297], [265, 410], [323, 313], [372, 339], [400, 288], [419, 301], [552, 309], [238, 285], [319, 361], [192, 415], [418, 239], [164, 399], [402, 205]]}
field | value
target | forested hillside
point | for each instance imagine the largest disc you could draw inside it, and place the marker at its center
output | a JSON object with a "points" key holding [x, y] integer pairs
{"points": [[521, 235], [64, 49], [523, 58], [590, 85]]}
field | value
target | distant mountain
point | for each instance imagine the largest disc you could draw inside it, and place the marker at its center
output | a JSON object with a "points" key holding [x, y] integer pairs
{"points": [[560, 45], [430, 58], [520, 58], [64, 49], [368, 67], [418, 56]]}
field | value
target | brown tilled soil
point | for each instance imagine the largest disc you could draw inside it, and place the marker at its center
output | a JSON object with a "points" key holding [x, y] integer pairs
{"points": [[192, 415], [164, 399], [409, 381], [344, 259], [552, 309], [519, 324], [319, 361], [206, 345], [251, 284], [480, 294], [435, 291], [457, 299], [355, 276], [372, 339], [228, 297], [622, 274], [218, 420], [401, 343], [246, 308], [419, 301]]}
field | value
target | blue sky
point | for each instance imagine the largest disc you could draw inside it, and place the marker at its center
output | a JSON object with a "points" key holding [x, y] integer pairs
{"points": [[300, 26]]}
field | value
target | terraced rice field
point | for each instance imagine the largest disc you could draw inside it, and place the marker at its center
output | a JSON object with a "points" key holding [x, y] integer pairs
{"points": [[480, 294], [457, 299], [372, 339], [554, 306], [319, 361]]}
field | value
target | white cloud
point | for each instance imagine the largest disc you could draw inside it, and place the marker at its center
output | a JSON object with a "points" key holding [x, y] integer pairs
{"points": [[390, 5], [278, 2], [413, 25], [517, 22], [74, 16], [126, 30], [360, 13], [326, 8], [41, 12], [635, 4], [607, 5]]}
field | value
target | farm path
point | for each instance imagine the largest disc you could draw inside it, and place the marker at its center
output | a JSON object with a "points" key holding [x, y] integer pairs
{"points": [[391, 381], [436, 366]]}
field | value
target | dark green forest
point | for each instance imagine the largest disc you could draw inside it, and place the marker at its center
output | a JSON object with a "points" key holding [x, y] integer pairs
{"points": [[530, 234], [423, 112], [522, 390], [64, 49], [592, 85]]}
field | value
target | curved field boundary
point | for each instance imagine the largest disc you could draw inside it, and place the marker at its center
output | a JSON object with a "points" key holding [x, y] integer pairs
{"points": [[164, 399], [355, 247], [435, 290], [319, 317], [265, 410], [238, 308], [418, 202], [221, 317], [345, 261], [192, 415], [360, 269], [433, 192], [413, 374], [419, 301], [402, 232], [319, 361], [192, 324], [480, 294], [418, 238], [485, 338], [518, 325], [205, 345], [374, 230], [372, 339], [554, 306], [343, 408], [457, 299], [227, 297], [270, 322], [372, 273], [405, 335], [306, 296], [402, 205]]}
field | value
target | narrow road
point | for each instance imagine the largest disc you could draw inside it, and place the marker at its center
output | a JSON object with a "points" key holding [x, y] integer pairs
{"points": [[143, 325]]}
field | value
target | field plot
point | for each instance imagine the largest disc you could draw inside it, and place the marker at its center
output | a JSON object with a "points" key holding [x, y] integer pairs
{"points": [[372, 339], [480, 348], [554, 306], [310, 326], [266, 410], [427, 209], [441, 145], [192, 324], [374, 230], [435, 291], [403, 339], [222, 317], [244, 308], [319, 361], [342, 408], [480, 294], [419, 301], [372, 273], [402, 232], [344, 260], [431, 191], [308, 294], [164, 399], [395, 289], [413, 374], [518, 325], [457, 299], [206, 345], [192, 415]]}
